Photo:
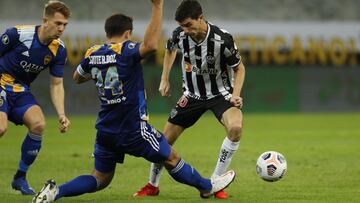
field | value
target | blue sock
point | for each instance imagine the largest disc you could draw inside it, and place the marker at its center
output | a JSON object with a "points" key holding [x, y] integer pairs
{"points": [[184, 173], [78, 186], [29, 150]]}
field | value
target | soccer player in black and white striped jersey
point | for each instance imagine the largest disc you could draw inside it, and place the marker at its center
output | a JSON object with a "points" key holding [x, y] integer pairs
{"points": [[213, 75]]}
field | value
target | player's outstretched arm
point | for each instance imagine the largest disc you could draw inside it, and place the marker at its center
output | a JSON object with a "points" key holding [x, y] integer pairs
{"points": [[57, 96], [169, 59], [153, 30]]}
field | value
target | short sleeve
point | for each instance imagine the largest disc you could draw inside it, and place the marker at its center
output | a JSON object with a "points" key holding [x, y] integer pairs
{"points": [[173, 41], [132, 49], [232, 55], [83, 68], [57, 69], [8, 39]]}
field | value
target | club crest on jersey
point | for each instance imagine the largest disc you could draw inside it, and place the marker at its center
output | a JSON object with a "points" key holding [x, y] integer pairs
{"points": [[47, 59], [5, 39], [131, 45], [210, 59]]}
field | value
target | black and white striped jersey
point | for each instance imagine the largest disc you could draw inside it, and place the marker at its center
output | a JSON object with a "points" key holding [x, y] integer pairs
{"points": [[207, 67]]}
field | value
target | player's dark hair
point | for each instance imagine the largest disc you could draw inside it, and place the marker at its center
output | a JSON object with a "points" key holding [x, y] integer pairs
{"points": [[56, 6], [117, 24], [188, 9]]}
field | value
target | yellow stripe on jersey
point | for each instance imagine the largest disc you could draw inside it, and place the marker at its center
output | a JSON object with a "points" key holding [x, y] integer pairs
{"points": [[18, 88], [91, 50], [7, 83], [24, 26], [54, 46], [6, 79], [116, 48]]}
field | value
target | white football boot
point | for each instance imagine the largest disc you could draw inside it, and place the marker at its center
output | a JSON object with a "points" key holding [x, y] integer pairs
{"points": [[220, 182], [47, 193]]}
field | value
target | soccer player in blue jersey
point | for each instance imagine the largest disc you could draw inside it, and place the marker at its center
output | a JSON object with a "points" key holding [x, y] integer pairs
{"points": [[121, 124], [24, 52]]}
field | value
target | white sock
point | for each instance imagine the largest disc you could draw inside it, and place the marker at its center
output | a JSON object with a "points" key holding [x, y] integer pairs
{"points": [[228, 148], [155, 174]]}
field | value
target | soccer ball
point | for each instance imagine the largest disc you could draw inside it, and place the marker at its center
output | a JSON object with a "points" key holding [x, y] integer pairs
{"points": [[271, 166]]}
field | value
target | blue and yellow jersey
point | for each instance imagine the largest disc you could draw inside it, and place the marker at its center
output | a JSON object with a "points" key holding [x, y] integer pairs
{"points": [[23, 57], [117, 73]]}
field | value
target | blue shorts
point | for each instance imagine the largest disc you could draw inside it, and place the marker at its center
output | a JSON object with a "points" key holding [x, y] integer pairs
{"points": [[15, 104], [147, 142]]}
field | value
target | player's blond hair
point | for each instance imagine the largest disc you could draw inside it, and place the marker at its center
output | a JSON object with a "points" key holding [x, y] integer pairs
{"points": [[56, 6]]}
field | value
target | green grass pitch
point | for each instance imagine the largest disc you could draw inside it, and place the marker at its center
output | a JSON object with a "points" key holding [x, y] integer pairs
{"points": [[322, 151]]}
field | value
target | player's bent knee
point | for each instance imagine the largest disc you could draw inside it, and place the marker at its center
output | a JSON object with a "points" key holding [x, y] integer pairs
{"points": [[38, 127], [173, 159], [234, 131], [103, 179], [103, 184]]}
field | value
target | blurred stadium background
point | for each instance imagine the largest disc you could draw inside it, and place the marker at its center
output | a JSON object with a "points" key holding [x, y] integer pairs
{"points": [[300, 56], [301, 94]]}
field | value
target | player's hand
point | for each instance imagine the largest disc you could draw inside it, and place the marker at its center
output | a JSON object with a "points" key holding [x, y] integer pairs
{"points": [[164, 88], [237, 101], [64, 123]]}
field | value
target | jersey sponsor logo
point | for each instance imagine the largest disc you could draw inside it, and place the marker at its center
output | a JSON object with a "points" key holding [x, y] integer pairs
{"points": [[182, 101], [30, 67], [204, 71], [104, 59], [114, 101], [5, 39], [47, 59]]}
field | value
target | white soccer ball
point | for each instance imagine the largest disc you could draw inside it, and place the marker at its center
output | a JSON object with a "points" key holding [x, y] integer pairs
{"points": [[271, 166]]}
